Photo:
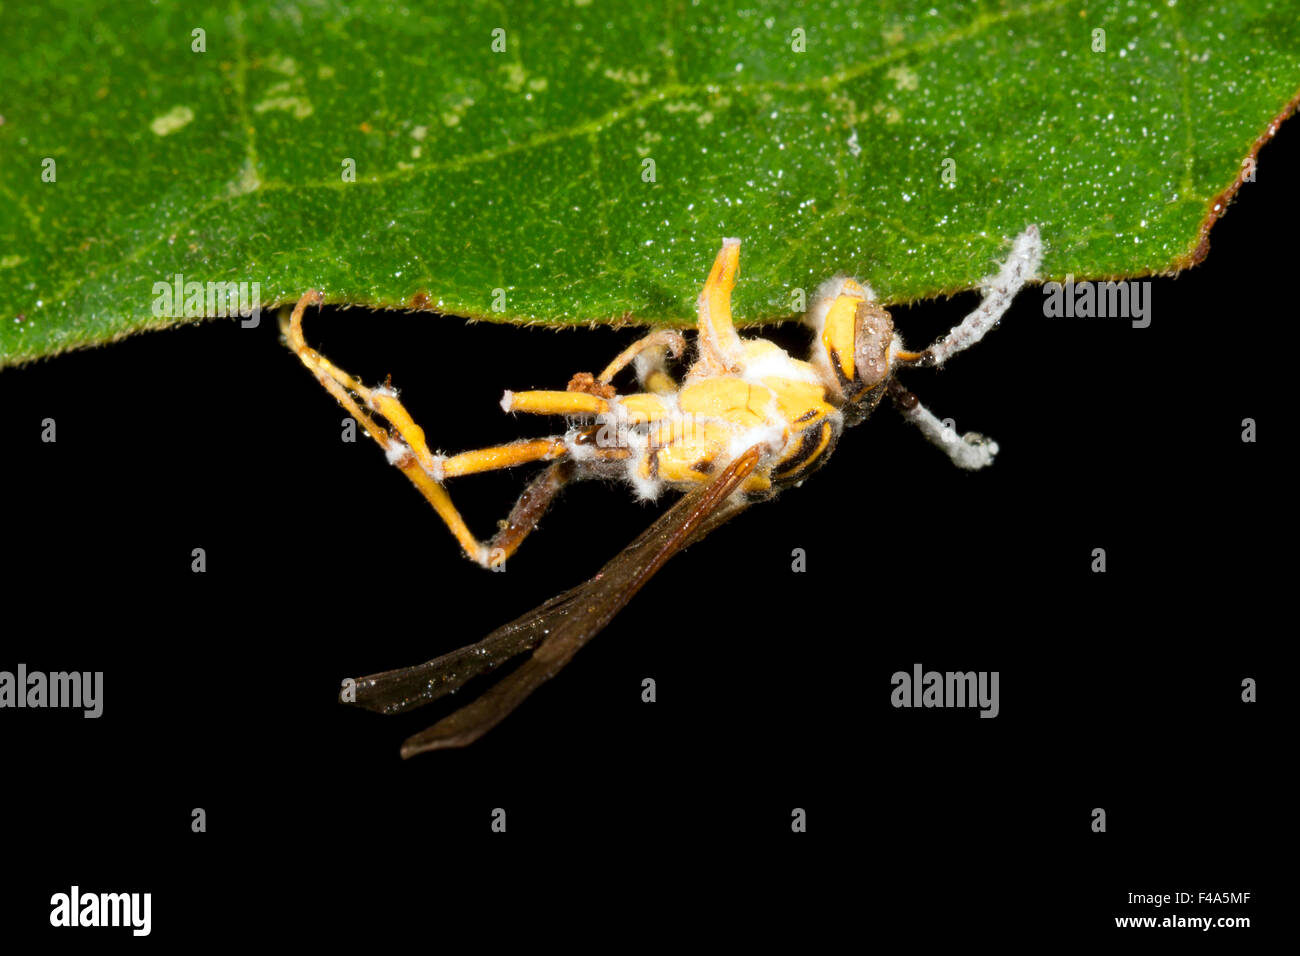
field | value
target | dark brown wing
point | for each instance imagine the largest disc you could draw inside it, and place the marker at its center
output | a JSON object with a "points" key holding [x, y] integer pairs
{"points": [[556, 629]]}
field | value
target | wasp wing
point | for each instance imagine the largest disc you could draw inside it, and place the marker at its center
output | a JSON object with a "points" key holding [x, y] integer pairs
{"points": [[556, 630]]}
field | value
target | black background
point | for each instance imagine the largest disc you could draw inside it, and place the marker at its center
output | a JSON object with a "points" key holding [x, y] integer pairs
{"points": [[1119, 690]]}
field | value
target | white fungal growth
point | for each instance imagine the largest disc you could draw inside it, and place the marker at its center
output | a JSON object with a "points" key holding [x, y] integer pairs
{"points": [[971, 450], [826, 294], [396, 451], [578, 451], [655, 358], [1021, 266], [772, 436], [646, 488], [777, 363], [895, 346], [386, 390]]}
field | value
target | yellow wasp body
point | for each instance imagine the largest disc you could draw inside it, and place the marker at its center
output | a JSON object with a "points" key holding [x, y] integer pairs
{"points": [[737, 394], [746, 421]]}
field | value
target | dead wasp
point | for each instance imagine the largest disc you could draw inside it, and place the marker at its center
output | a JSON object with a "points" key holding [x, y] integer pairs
{"points": [[747, 421]]}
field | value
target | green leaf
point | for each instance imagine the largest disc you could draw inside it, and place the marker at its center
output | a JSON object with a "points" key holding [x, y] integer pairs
{"points": [[517, 179]]}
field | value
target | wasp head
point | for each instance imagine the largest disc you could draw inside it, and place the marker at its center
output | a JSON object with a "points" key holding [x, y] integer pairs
{"points": [[854, 335]]}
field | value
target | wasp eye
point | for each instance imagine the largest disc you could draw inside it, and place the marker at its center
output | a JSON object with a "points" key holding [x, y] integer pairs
{"points": [[874, 332]]}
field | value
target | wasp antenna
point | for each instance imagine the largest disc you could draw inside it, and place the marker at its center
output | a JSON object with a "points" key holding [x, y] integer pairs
{"points": [[1020, 267], [971, 451]]}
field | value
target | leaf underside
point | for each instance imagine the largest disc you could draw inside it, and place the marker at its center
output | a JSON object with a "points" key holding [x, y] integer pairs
{"points": [[905, 145]]}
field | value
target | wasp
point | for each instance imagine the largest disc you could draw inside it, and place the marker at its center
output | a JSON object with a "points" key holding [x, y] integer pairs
{"points": [[746, 421]]}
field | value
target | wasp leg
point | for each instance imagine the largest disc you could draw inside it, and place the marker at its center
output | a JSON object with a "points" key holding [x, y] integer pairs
{"points": [[631, 409], [971, 450], [406, 448], [650, 355], [653, 376], [497, 457], [720, 347], [528, 510], [554, 403], [534, 501]]}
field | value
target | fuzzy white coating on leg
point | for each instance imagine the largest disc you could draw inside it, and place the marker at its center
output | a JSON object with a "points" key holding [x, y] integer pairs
{"points": [[646, 488], [647, 363], [397, 451], [579, 451]]}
